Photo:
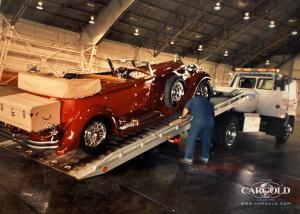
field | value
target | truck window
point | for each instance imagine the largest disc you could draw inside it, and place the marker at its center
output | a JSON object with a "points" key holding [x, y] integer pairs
{"points": [[246, 82], [265, 84]]}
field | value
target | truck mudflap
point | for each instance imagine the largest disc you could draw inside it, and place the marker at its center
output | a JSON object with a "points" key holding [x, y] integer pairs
{"points": [[22, 139]]}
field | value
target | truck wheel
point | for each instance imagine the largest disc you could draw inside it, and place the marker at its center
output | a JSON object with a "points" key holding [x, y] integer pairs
{"points": [[94, 136], [227, 132], [286, 133], [204, 89], [174, 91]]}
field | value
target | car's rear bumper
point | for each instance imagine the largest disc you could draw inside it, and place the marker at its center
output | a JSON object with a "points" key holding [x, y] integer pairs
{"points": [[22, 139]]}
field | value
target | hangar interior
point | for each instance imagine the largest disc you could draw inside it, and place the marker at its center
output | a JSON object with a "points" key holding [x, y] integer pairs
{"points": [[78, 36]]}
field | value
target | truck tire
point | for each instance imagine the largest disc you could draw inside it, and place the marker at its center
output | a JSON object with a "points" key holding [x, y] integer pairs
{"points": [[94, 136], [174, 91], [288, 128], [227, 132]]}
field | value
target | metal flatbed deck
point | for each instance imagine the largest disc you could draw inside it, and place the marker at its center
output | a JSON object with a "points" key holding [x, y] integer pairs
{"points": [[120, 150]]}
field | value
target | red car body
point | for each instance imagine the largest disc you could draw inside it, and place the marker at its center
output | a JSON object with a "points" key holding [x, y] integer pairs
{"points": [[121, 105]]}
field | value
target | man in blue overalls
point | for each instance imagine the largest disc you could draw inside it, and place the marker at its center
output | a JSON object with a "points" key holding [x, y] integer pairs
{"points": [[202, 112]]}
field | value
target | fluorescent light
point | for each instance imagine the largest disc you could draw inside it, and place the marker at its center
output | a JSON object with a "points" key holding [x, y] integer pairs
{"points": [[272, 24], [39, 5], [226, 53], [294, 33], [92, 20], [217, 6], [246, 16], [136, 32]]}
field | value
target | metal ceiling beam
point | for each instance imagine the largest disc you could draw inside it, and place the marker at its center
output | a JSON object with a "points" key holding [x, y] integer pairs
{"points": [[176, 35], [235, 33], [231, 27], [158, 41], [275, 42], [93, 34], [176, 14], [173, 25], [45, 10], [214, 15], [20, 12]]}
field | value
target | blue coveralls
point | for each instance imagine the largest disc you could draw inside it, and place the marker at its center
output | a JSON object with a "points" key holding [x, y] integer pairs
{"points": [[202, 112]]}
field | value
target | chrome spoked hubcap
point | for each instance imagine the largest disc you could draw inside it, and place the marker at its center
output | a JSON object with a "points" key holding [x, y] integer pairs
{"points": [[204, 91], [231, 134], [177, 92], [95, 134]]}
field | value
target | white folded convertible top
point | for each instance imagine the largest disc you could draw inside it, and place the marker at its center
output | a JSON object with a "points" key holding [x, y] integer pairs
{"points": [[49, 85]]}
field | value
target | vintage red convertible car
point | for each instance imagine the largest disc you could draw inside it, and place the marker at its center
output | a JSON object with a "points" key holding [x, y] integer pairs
{"points": [[86, 110]]}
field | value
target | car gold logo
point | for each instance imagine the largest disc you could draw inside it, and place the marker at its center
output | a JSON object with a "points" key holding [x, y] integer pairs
{"points": [[266, 190]]}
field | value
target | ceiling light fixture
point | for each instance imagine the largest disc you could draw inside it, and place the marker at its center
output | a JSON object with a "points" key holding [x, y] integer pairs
{"points": [[39, 5], [226, 53], [267, 62], [136, 32], [198, 36], [172, 42], [272, 24], [92, 20], [217, 6], [292, 20], [200, 48], [169, 27], [246, 16], [90, 4], [294, 33]]}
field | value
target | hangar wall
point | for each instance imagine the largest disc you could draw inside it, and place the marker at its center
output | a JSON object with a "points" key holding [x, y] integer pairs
{"points": [[55, 50], [293, 67]]}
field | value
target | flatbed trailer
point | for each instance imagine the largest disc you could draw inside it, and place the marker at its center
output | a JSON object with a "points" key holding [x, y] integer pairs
{"points": [[120, 150]]}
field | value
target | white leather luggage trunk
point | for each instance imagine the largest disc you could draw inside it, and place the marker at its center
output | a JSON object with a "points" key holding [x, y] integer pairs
{"points": [[29, 112]]}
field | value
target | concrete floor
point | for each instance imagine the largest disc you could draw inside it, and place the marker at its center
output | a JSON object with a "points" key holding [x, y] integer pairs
{"points": [[157, 183]]}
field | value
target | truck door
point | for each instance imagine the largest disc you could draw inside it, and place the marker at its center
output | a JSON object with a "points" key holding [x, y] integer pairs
{"points": [[247, 84], [293, 97], [271, 102]]}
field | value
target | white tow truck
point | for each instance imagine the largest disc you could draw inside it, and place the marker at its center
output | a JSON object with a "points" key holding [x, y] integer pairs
{"points": [[271, 105]]}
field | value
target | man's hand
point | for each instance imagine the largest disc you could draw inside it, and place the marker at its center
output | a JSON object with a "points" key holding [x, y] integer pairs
{"points": [[185, 112]]}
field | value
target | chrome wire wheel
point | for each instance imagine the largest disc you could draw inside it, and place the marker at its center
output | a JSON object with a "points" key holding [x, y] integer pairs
{"points": [[230, 134], [177, 92], [203, 90], [95, 134]]}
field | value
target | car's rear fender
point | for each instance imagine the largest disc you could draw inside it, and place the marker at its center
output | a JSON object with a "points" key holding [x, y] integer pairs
{"points": [[72, 130]]}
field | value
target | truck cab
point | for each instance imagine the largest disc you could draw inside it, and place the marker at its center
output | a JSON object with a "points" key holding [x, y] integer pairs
{"points": [[271, 95]]}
